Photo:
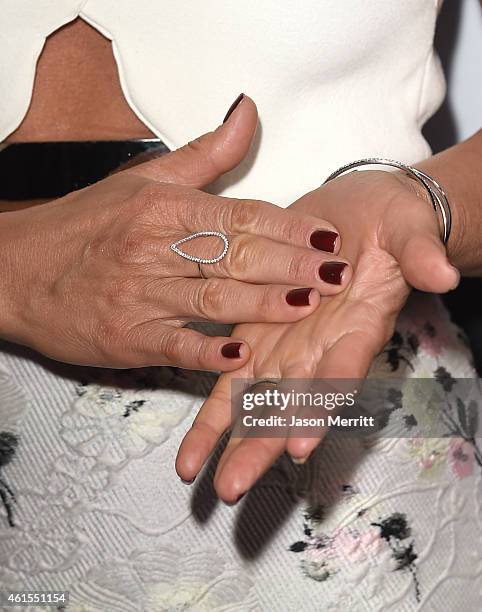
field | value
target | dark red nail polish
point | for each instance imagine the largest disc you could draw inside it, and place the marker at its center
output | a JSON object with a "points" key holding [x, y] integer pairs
{"points": [[332, 272], [299, 297], [231, 350], [324, 240], [233, 106], [188, 482]]}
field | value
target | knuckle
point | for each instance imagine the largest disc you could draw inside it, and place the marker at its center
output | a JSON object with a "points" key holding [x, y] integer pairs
{"points": [[119, 291], [300, 267], [239, 256], [195, 147], [198, 147], [109, 334], [196, 144], [196, 152], [294, 231], [290, 228], [268, 302], [133, 243], [132, 246], [245, 215], [210, 298], [171, 344], [205, 352]]}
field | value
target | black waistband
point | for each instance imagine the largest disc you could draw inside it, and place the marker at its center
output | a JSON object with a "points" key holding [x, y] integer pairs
{"points": [[38, 170]]}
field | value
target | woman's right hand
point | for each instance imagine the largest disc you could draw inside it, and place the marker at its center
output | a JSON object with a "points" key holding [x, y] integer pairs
{"points": [[91, 278]]}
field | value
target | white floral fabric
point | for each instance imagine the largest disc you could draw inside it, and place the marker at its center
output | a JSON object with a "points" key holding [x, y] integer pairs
{"points": [[91, 503]]}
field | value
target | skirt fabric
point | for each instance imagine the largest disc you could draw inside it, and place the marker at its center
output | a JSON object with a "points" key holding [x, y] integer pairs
{"points": [[90, 502]]}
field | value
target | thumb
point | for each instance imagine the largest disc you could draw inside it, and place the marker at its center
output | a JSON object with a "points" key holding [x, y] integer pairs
{"points": [[425, 266], [422, 256], [206, 158]]}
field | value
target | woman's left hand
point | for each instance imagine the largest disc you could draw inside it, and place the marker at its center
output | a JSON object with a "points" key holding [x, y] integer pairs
{"points": [[391, 236]]}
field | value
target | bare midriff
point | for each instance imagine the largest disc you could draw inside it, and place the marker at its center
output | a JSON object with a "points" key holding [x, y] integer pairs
{"points": [[77, 94]]}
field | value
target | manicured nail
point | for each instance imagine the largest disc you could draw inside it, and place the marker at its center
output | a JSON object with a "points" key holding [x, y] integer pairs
{"points": [[299, 297], [332, 272], [324, 240], [233, 106], [231, 350], [188, 482]]}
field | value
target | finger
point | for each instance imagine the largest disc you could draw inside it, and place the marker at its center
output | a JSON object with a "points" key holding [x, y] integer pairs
{"points": [[203, 160], [258, 260], [245, 460], [231, 301], [194, 211], [349, 358], [156, 344], [243, 463], [211, 422], [255, 217], [254, 260], [261, 260], [416, 245]]}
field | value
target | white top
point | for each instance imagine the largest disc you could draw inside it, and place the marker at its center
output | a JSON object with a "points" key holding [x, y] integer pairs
{"points": [[333, 80]]}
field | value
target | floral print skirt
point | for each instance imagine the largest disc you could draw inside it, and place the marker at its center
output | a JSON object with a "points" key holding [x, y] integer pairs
{"points": [[90, 502]]}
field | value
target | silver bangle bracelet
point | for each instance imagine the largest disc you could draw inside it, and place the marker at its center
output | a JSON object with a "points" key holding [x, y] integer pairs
{"points": [[437, 195]]}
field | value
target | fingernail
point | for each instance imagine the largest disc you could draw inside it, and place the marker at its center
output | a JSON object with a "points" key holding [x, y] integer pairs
{"points": [[233, 503], [299, 460], [324, 240], [299, 297], [188, 482], [332, 272], [233, 106], [231, 350]]}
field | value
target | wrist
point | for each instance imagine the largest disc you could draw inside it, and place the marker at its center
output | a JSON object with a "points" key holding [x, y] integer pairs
{"points": [[434, 197], [454, 243], [458, 171]]}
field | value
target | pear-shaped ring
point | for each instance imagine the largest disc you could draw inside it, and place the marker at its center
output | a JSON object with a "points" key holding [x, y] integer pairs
{"points": [[201, 260]]}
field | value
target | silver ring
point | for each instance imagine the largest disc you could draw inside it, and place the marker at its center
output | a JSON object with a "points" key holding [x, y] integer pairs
{"points": [[201, 260], [265, 381]]}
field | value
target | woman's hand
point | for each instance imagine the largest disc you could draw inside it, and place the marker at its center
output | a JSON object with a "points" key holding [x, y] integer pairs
{"points": [[91, 279], [392, 238]]}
